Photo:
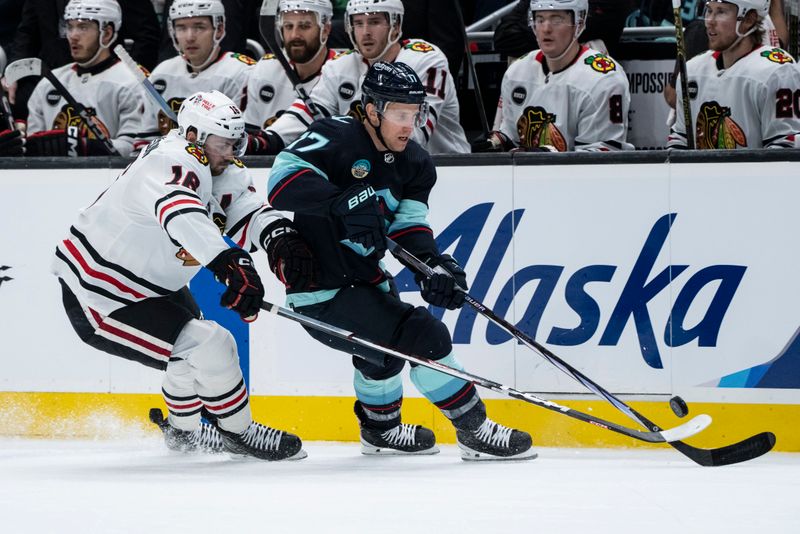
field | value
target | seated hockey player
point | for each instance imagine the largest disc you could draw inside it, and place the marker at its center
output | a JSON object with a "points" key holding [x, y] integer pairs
{"points": [[125, 263], [197, 28], [742, 94], [98, 80], [564, 96], [304, 29], [375, 27], [349, 182]]}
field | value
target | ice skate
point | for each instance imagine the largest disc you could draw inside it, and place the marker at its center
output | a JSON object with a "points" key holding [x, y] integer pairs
{"points": [[263, 442], [204, 439], [400, 439], [493, 441]]}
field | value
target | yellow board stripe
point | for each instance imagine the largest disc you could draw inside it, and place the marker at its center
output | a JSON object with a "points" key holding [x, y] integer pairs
{"points": [[114, 415]]}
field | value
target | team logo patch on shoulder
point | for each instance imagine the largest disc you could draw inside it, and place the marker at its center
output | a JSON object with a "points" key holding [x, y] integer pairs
{"points": [[268, 55], [601, 63], [266, 93], [518, 94], [418, 46], [342, 54], [776, 55], [360, 169], [198, 153], [247, 60], [347, 91], [239, 163]]}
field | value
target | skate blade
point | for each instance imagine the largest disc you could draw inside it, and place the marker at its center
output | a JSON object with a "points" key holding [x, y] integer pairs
{"points": [[469, 455], [371, 450], [299, 455]]}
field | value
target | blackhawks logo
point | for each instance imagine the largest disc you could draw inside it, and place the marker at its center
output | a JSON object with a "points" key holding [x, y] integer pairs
{"points": [[776, 55], [357, 111], [247, 60], [716, 129], [69, 117], [197, 152], [537, 127], [418, 46], [601, 63], [165, 124]]}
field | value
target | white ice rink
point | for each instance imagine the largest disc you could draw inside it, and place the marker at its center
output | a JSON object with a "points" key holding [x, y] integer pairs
{"points": [[135, 485]]}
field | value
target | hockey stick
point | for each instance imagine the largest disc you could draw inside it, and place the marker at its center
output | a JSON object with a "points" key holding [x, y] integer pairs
{"points": [[268, 30], [747, 449], [681, 59], [33, 66], [472, 73], [133, 67], [690, 428]]}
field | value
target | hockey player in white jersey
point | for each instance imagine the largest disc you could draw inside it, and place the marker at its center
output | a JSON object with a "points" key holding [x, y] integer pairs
{"points": [[742, 94], [374, 27], [304, 29], [564, 96], [97, 79], [197, 28], [126, 261]]}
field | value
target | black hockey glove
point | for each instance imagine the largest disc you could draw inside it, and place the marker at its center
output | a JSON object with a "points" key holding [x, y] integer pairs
{"points": [[441, 289], [494, 142], [361, 218], [47, 143], [263, 143], [289, 256], [11, 143], [244, 290]]}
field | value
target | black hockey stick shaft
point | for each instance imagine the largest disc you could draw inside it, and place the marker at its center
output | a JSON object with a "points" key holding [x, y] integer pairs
{"points": [[751, 447], [269, 31], [681, 59], [472, 72], [689, 428]]}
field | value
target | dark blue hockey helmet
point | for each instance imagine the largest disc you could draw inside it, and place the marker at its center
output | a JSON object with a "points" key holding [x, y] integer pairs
{"points": [[396, 82]]}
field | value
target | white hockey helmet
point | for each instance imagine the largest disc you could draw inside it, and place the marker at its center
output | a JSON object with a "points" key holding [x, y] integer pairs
{"points": [[579, 8], [213, 113], [393, 8], [760, 6], [104, 12], [323, 9], [182, 9]]}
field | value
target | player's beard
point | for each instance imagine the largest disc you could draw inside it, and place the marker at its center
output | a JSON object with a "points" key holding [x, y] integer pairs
{"points": [[85, 54], [300, 52]]}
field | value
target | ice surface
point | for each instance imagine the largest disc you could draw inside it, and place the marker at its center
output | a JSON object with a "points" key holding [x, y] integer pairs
{"points": [[136, 485]]}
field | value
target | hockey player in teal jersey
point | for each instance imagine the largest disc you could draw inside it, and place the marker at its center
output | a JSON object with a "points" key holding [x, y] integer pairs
{"points": [[350, 184]]}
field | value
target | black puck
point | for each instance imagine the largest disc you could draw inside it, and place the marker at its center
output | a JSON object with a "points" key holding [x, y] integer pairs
{"points": [[678, 406]]}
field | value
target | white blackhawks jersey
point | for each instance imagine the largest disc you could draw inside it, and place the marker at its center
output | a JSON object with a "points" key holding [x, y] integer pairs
{"points": [[150, 232], [339, 93], [269, 91], [752, 104], [108, 89], [175, 81], [583, 107]]}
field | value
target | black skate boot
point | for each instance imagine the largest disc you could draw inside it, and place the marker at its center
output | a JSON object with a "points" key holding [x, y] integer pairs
{"points": [[396, 439], [493, 441], [203, 439], [264, 443]]}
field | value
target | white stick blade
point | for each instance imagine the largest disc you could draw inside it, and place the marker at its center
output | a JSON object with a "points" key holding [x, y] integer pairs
{"points": [[22, 68], [688, 429]]}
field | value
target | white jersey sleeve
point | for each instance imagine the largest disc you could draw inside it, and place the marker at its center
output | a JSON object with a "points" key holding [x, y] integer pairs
{"points": [[240, 210]]}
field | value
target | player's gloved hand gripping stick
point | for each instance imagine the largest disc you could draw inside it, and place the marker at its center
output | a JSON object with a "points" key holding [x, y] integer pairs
{"points": [[747, 449]]}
